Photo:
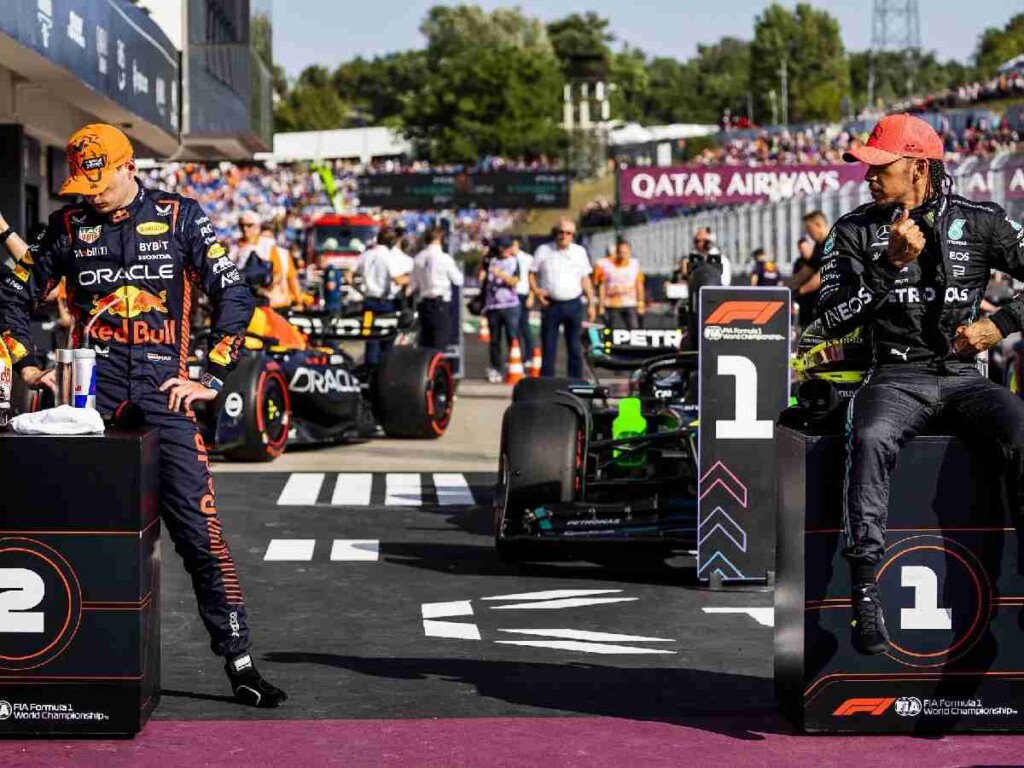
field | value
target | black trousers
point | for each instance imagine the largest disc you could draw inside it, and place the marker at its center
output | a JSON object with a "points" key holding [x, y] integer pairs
{"points": [[897, 403], [435, 323], [622, 317]]}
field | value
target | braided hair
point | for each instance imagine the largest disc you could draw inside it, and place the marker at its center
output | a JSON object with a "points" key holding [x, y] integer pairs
{"points": [[939, 181]]}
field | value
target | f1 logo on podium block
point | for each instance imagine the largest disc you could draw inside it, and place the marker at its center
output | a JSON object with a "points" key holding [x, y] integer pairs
{"points": [[40, 604], [744, 385]]}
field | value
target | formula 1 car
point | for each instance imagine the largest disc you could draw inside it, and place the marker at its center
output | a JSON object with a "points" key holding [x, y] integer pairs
{"points": [[586, 462], [295, 384]]}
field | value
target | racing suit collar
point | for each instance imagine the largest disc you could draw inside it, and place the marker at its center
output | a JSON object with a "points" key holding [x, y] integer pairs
{"points": [[129, 211]]}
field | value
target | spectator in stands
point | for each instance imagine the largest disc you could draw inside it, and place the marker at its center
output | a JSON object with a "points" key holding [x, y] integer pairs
{"points": [[525, 297], [621, 290], [382, 278], [806, 273], [500, 277], [433, 276], [765, 273], [560, 277]]}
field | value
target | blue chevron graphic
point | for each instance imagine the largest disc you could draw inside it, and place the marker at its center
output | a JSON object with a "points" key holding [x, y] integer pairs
{"points": [[734, 572]]}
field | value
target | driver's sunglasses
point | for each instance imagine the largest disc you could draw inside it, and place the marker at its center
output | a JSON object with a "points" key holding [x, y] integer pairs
{"points": [[247, 224], [565, 232]]}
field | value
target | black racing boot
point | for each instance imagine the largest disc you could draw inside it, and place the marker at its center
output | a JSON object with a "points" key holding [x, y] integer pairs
{"points": [[867, 630], [248, 685]]}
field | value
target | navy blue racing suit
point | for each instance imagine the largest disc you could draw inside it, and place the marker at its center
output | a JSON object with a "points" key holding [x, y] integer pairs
{"points": [[912, 315], [130, 278]]}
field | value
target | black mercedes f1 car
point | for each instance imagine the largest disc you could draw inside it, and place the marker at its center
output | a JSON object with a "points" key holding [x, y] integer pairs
{"points": [[585, 461]]}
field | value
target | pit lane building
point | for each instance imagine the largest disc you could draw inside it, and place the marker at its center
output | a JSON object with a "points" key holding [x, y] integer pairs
{"points": [[185, 79]]}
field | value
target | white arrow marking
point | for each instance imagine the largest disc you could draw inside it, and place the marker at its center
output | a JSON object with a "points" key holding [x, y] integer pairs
{"points": [[763, 616], [553, 594], [578, 634], [572, 645], [294, 550], [454, 630], [569, 603], [444, 610], [302, 489]]}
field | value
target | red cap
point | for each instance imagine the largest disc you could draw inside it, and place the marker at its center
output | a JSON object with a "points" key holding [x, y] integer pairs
{"points": [[898, 136]]}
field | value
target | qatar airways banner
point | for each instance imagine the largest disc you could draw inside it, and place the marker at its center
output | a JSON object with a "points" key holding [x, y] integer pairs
{"points": [[726, 184]]}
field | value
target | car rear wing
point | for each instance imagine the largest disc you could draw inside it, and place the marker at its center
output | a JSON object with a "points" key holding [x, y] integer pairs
{"points": [[364, 325], [623, 350]]}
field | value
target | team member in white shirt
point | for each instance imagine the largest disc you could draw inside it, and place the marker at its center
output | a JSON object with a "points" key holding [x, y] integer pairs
{"points": [[433, 276], [382, 276], [559, 278], [525, 296]]}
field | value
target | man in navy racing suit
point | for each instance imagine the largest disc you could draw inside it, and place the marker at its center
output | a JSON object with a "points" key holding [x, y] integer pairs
{"points": [[912, 267], [130, 259]]}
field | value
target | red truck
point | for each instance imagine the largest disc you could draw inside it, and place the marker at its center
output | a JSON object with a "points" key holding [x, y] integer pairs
{"points": [[333, 238]]}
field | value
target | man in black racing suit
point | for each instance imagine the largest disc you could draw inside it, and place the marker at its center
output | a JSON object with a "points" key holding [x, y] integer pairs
{"points": [[130, 258], [912, 267]]}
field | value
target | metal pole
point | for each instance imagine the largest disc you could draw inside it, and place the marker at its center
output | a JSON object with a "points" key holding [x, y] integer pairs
{"points": [[617, 213]]}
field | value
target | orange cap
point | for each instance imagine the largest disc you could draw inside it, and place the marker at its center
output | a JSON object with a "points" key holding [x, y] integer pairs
{"points": [[898, 136], [94, 153]]}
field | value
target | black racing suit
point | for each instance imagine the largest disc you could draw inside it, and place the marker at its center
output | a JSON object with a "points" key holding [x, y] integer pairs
{"points": [[134, 273], [912, 315]]}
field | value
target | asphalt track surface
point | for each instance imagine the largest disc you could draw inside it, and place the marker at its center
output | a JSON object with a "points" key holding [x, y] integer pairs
{"points": [[378, 603]]}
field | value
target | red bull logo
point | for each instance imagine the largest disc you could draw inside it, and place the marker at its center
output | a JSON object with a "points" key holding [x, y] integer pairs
{"points": [[136, 332], [129, 301]]}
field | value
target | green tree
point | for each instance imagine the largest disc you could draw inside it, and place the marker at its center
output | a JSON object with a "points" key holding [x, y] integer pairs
{"points": [[452, 29], [997, 46], [632, 81], [673, 93], [311, 105], [808, 41], [898, 75], [723, 73], [378, 88], [581, 43], [487, 99]]}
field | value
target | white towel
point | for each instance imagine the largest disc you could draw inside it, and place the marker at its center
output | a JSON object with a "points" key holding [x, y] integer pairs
{"points": [[62, 420]]}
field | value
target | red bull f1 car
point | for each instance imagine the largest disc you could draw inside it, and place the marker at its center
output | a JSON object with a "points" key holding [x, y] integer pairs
{"points": [[297, 385], [587, 462]]}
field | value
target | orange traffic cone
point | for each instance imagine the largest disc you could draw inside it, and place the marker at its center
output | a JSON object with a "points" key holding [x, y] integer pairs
{"points": [[536, 364], [485, 330], [515, 372]]}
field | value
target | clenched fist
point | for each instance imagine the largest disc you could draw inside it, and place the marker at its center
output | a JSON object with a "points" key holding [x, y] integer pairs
{"points": [[906, 241], [976, 337]]}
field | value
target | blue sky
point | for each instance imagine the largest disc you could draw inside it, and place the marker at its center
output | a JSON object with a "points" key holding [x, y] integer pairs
{"points": [[323, 32]]}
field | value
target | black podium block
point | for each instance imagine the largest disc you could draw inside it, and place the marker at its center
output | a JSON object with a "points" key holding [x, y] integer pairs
{"points": [[951, 587], [79, 584]]}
